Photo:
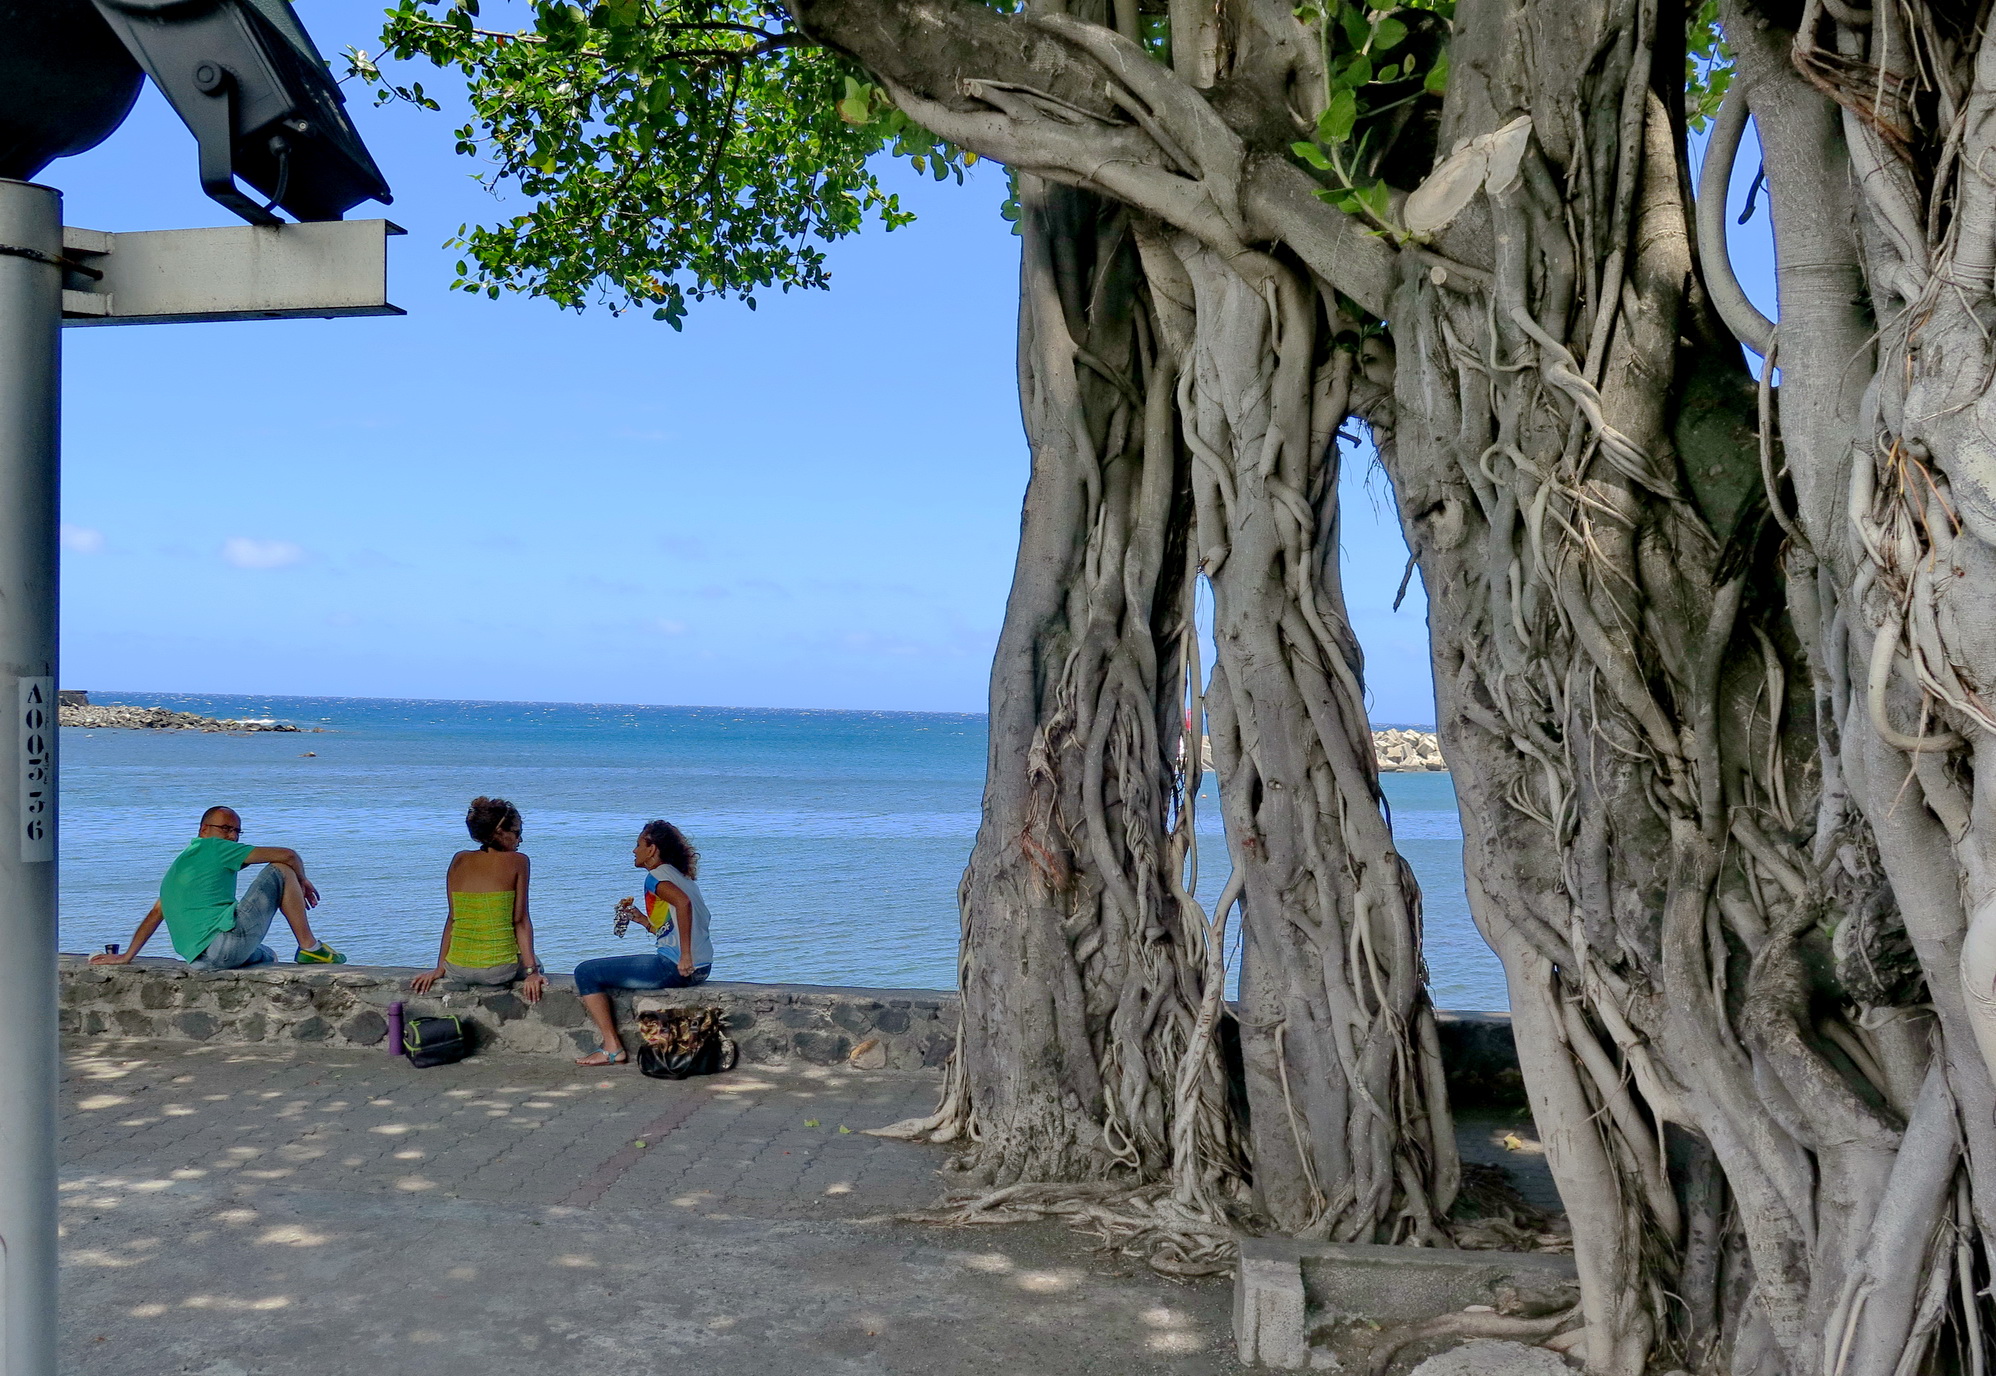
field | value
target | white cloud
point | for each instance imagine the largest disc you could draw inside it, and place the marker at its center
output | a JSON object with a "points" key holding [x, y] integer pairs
{"points": [[671, 627], [246, 553], [82, 539]]}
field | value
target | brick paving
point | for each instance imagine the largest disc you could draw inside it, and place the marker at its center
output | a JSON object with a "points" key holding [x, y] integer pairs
{"points": [[232, 1211]]}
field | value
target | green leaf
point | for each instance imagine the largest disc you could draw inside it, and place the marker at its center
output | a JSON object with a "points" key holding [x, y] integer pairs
{"points": [[1335, 124], [1357, 31], [1387, 35], [1357, 72], [1436, 81], [1310, 153]]}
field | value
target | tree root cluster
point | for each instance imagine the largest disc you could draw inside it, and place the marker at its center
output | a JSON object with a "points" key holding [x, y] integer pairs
{"points": [[1146, 1222]]}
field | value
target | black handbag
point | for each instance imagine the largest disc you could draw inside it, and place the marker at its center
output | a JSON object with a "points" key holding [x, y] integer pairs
{"points": [[434, 1041], [678, 1043]]}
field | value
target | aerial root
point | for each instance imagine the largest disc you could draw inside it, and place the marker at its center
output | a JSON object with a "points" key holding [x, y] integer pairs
{"points": [[1470, 1324], [1142, 1221]]}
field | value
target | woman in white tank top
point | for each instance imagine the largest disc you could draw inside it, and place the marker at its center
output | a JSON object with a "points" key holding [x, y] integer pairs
{"points": [[675, 912]]}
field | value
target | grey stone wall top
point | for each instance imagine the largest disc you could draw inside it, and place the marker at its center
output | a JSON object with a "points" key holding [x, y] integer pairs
{"points": [[398, 976], [346, 1005]]}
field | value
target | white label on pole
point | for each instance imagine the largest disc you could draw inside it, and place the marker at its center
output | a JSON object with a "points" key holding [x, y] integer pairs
{"points": [[36, 719]]}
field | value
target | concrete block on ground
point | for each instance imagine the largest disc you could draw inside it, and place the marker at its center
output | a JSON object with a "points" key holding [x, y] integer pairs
{"points": [[1270, 1321], [1287, 1289]]}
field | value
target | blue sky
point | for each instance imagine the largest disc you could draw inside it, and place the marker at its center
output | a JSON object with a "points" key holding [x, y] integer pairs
{"points": [[814, 504]]}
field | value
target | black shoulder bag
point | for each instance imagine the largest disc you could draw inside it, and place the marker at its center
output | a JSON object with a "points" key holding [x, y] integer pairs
{"points": [[434, 1041]]}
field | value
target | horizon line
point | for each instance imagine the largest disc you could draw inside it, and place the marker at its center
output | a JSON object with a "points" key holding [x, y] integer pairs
{"points": [[557, 702]]}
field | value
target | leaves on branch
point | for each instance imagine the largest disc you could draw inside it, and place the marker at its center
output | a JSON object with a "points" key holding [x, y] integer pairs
{"points": [[670, 150], [1385, 70], [1708, 66]]}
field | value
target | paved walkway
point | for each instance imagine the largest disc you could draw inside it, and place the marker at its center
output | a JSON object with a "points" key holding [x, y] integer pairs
{"points": [[231, 1211]]}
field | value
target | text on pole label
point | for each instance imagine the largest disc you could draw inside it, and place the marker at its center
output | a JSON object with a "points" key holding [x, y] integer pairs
{"points": [[36, 719]]}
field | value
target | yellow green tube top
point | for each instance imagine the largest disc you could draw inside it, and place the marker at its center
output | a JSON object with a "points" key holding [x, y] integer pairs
{"points": [[481, 932]]}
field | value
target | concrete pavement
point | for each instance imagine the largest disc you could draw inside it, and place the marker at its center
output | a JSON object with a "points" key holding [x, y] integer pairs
{"points": [[236, 1211]]}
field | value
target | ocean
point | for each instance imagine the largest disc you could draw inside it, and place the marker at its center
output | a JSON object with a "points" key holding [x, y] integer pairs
{"points": [[831, 842]]}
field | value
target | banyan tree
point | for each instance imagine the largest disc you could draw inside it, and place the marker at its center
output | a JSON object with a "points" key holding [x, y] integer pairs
{"points": [[1712, 594]]}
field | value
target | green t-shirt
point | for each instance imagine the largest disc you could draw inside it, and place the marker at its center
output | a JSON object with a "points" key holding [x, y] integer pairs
{"points": [[198, 894]]}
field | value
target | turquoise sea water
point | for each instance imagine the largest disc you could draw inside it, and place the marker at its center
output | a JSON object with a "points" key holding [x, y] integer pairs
{"points": [[831, 842]]}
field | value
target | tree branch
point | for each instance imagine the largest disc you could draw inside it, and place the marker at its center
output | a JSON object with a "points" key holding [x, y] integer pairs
{"points": [[1080, 104]]}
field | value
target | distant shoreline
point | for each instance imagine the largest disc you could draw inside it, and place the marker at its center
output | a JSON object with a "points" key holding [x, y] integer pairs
{"points": [[76, 709], [317, 699]]}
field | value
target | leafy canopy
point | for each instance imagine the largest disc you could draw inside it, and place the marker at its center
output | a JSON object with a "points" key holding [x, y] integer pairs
{"points": [[672, 150]]}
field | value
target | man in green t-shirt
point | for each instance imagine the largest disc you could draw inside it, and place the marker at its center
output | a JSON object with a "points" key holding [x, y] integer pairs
{"points": [[210, 927]]}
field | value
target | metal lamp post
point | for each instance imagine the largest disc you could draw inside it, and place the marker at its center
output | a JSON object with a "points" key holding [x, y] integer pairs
{"points": [[30, 326], [246, 79]]}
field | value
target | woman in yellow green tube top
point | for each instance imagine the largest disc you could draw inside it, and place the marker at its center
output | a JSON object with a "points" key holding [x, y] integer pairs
{"points": [[488, 936]]}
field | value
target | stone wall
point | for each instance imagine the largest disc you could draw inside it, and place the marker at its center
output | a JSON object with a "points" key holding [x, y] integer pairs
{"points": [[347, 1006]]}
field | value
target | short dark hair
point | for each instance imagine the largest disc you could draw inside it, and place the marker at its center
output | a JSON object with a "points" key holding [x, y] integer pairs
{"points": [[208, 817], [673, 847], [487, 817]]}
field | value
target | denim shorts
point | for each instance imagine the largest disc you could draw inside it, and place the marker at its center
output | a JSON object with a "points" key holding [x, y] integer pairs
{"points": [[243, 944], [634, 972]]}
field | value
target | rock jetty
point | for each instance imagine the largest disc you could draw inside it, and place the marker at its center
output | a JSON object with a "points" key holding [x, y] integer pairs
{"points": [[117, 714], [1397, 751], [1394, 751]]}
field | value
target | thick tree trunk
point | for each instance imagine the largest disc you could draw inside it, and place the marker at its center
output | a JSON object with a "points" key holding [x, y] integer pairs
{"points": [[1886, 391], [1350, 1129], [1713, 938], [1350, 1134], [1622, 701], [1085, 967]]}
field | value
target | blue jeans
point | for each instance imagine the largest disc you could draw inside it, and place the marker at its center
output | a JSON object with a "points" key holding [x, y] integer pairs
{"points": [[243, 944], [634, 972]]}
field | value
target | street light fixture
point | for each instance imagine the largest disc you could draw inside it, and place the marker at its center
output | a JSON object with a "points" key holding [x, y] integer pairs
{"points": [[243, 75]]}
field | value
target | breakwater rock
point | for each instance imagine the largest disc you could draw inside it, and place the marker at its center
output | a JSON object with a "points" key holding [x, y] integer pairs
{"points": [[1394, 751], [1398, 751], [117, 714]]}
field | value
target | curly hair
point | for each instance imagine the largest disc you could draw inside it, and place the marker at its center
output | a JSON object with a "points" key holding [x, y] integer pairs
{"points": [[486, 817], [673, 847]]}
